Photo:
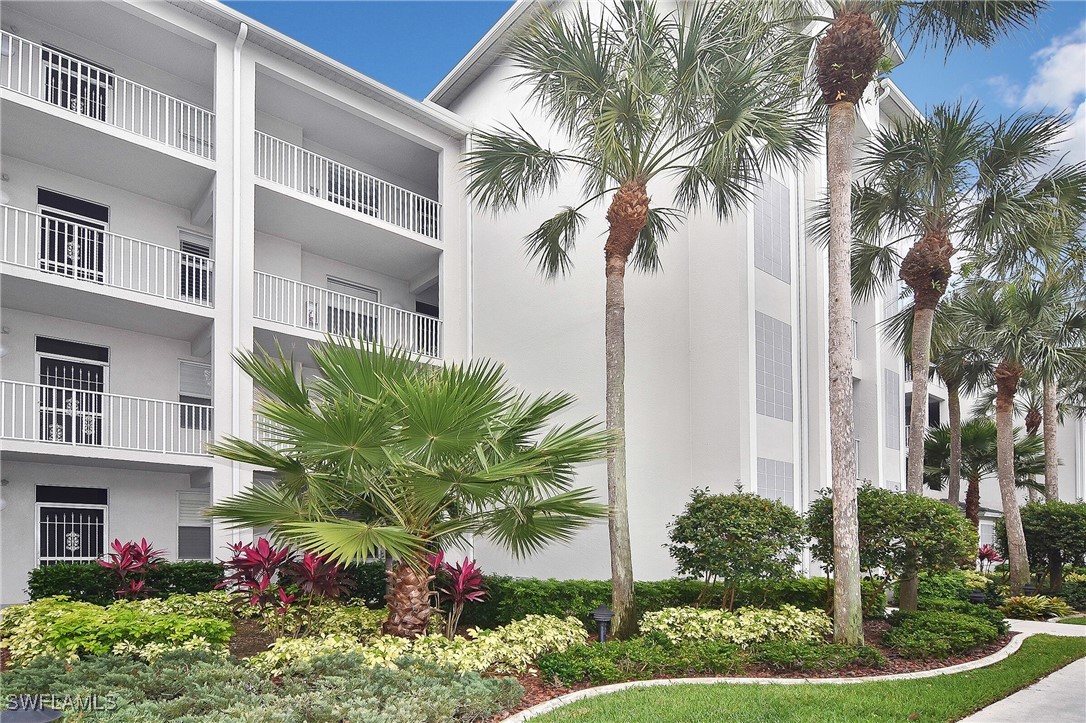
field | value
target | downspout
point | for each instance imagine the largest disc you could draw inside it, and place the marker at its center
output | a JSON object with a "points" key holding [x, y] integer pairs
{"points": [[802, 459], [469, 273], [235, 222]]}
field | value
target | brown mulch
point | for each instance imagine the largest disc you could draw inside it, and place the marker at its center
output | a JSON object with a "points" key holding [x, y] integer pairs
{"points": [[249, 639], [538, 690]]}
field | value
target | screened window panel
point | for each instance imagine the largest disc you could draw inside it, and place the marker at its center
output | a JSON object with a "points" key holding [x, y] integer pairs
{"points": [[775, 480], [772, 231], [196, 380], [892, 404], [773, 366], [194, 543]]}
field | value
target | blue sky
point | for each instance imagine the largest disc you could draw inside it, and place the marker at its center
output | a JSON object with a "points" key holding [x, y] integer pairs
{"points": [[410, 45]]}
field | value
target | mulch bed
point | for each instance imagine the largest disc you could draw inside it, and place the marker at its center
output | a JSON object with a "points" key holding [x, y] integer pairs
{"points": [[249, 639], [538, 690]]}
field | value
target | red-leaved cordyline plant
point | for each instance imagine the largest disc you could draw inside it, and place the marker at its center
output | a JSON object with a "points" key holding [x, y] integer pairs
{"points": [[252, 569], [130, 562], [988, 557], [457, 585], [317, 576]]}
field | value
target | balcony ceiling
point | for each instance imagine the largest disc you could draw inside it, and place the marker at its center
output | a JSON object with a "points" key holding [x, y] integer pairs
{"points": [[65, 299], [39, 134], [344, 235], [121, 30], [334, 127]]}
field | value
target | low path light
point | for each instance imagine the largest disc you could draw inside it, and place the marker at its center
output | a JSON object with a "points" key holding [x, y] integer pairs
{"points": [[602, 615]]}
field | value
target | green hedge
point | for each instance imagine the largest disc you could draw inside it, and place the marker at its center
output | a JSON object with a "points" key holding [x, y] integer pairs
{"points": [[510, 598], [90, 582]]}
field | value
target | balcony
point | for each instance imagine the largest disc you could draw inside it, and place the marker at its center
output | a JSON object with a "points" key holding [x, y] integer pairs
{"points": [[298, 169], [62, 416], [320, 312], [93, 93], [88, 255]]}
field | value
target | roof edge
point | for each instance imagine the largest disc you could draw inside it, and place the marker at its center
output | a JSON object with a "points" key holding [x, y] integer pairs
{"points": [[436, 117]]}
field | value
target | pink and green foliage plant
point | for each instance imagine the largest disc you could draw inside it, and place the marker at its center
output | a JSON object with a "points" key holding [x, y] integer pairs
{"points": [[318, 576], [457, 584], [988, 557], [130, 562], [252, 569]]}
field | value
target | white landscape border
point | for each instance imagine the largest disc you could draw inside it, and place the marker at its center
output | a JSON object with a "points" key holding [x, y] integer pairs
{"points": [[555, 703]]}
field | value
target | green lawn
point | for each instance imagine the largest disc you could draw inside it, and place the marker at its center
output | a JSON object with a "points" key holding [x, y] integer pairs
{"points": [[1073, 621], [946, 698]]}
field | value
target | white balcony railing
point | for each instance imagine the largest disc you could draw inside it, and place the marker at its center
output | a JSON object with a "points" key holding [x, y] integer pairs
{"points": [[77, 251], [56, 415], [855, 339], [265, 431], [310, 307], [93, 92], [294, 167]]}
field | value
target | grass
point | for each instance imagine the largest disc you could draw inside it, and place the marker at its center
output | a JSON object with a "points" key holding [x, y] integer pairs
{"points": [[945, 698], [1073, 621]]}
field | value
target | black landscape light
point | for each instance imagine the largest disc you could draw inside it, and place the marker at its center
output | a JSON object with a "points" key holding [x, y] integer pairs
{"points": [[602, 615]]}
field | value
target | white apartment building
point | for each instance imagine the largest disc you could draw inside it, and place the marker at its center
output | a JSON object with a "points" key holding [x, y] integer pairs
{"points": [[180, 181], [726, 358]]}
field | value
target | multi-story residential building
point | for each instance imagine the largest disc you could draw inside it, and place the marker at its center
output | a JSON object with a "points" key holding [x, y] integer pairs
{"points": [[180, 182], [726, 372]]}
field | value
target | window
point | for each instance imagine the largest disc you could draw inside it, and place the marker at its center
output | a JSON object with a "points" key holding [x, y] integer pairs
{"points": [[775, 480], [72, 241], [772, 231], [987, 533], [71, 523], [891, 393], [195, 391], [351, 309], [193, 529], [195, 266], [76, 84], [72, 378], [773, 366]]}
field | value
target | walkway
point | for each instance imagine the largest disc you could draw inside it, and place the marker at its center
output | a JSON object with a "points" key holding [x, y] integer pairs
{"points": [[1057, 698]]}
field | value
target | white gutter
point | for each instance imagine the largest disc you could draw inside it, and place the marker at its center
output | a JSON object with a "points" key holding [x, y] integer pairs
{"points": [[235, 223]]}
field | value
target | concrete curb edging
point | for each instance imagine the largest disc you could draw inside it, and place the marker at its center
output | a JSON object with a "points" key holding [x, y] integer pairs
{"points": [[554, 703]]}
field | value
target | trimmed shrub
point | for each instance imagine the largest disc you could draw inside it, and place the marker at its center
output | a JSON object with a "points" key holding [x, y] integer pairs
{"points": [[510, 599], [954, 584], [744, 627], [640, 659], [1073, 591], [790, 656], [1036, 607], [204, 688], [511, 648], [57, 626], [928, 634], [981, 612], [92, 583]]}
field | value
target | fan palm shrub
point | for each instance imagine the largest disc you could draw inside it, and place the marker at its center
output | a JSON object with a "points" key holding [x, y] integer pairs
{"points": [[978, 459], [701, 100], [384, 454]]}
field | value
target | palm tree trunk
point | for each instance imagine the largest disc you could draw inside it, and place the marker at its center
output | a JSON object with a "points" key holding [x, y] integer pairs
{"points": [[1007, 376], [954, 405], [847, 604], [923, 318], [972, 501], [408, 600], [627, 215], [1052, 458]]}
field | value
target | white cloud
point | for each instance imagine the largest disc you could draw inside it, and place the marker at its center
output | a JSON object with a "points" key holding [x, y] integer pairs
{"points": [[1060, 74], [1010, 93]]}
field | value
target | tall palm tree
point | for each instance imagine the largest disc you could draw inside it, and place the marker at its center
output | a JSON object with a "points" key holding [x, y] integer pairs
{"points": [[703, 100], [978, 459], [846, 59], [383, 453], [951, 178], [1019, 326]]}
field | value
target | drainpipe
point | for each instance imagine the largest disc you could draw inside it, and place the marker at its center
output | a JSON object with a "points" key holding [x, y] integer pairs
{"points": [[235, 245], [469, 274]]}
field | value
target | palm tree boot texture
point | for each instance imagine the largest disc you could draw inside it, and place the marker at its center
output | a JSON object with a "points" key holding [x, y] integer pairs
{"points": [[408, 601], [847, 57], [926, 269], [627, 216]]}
